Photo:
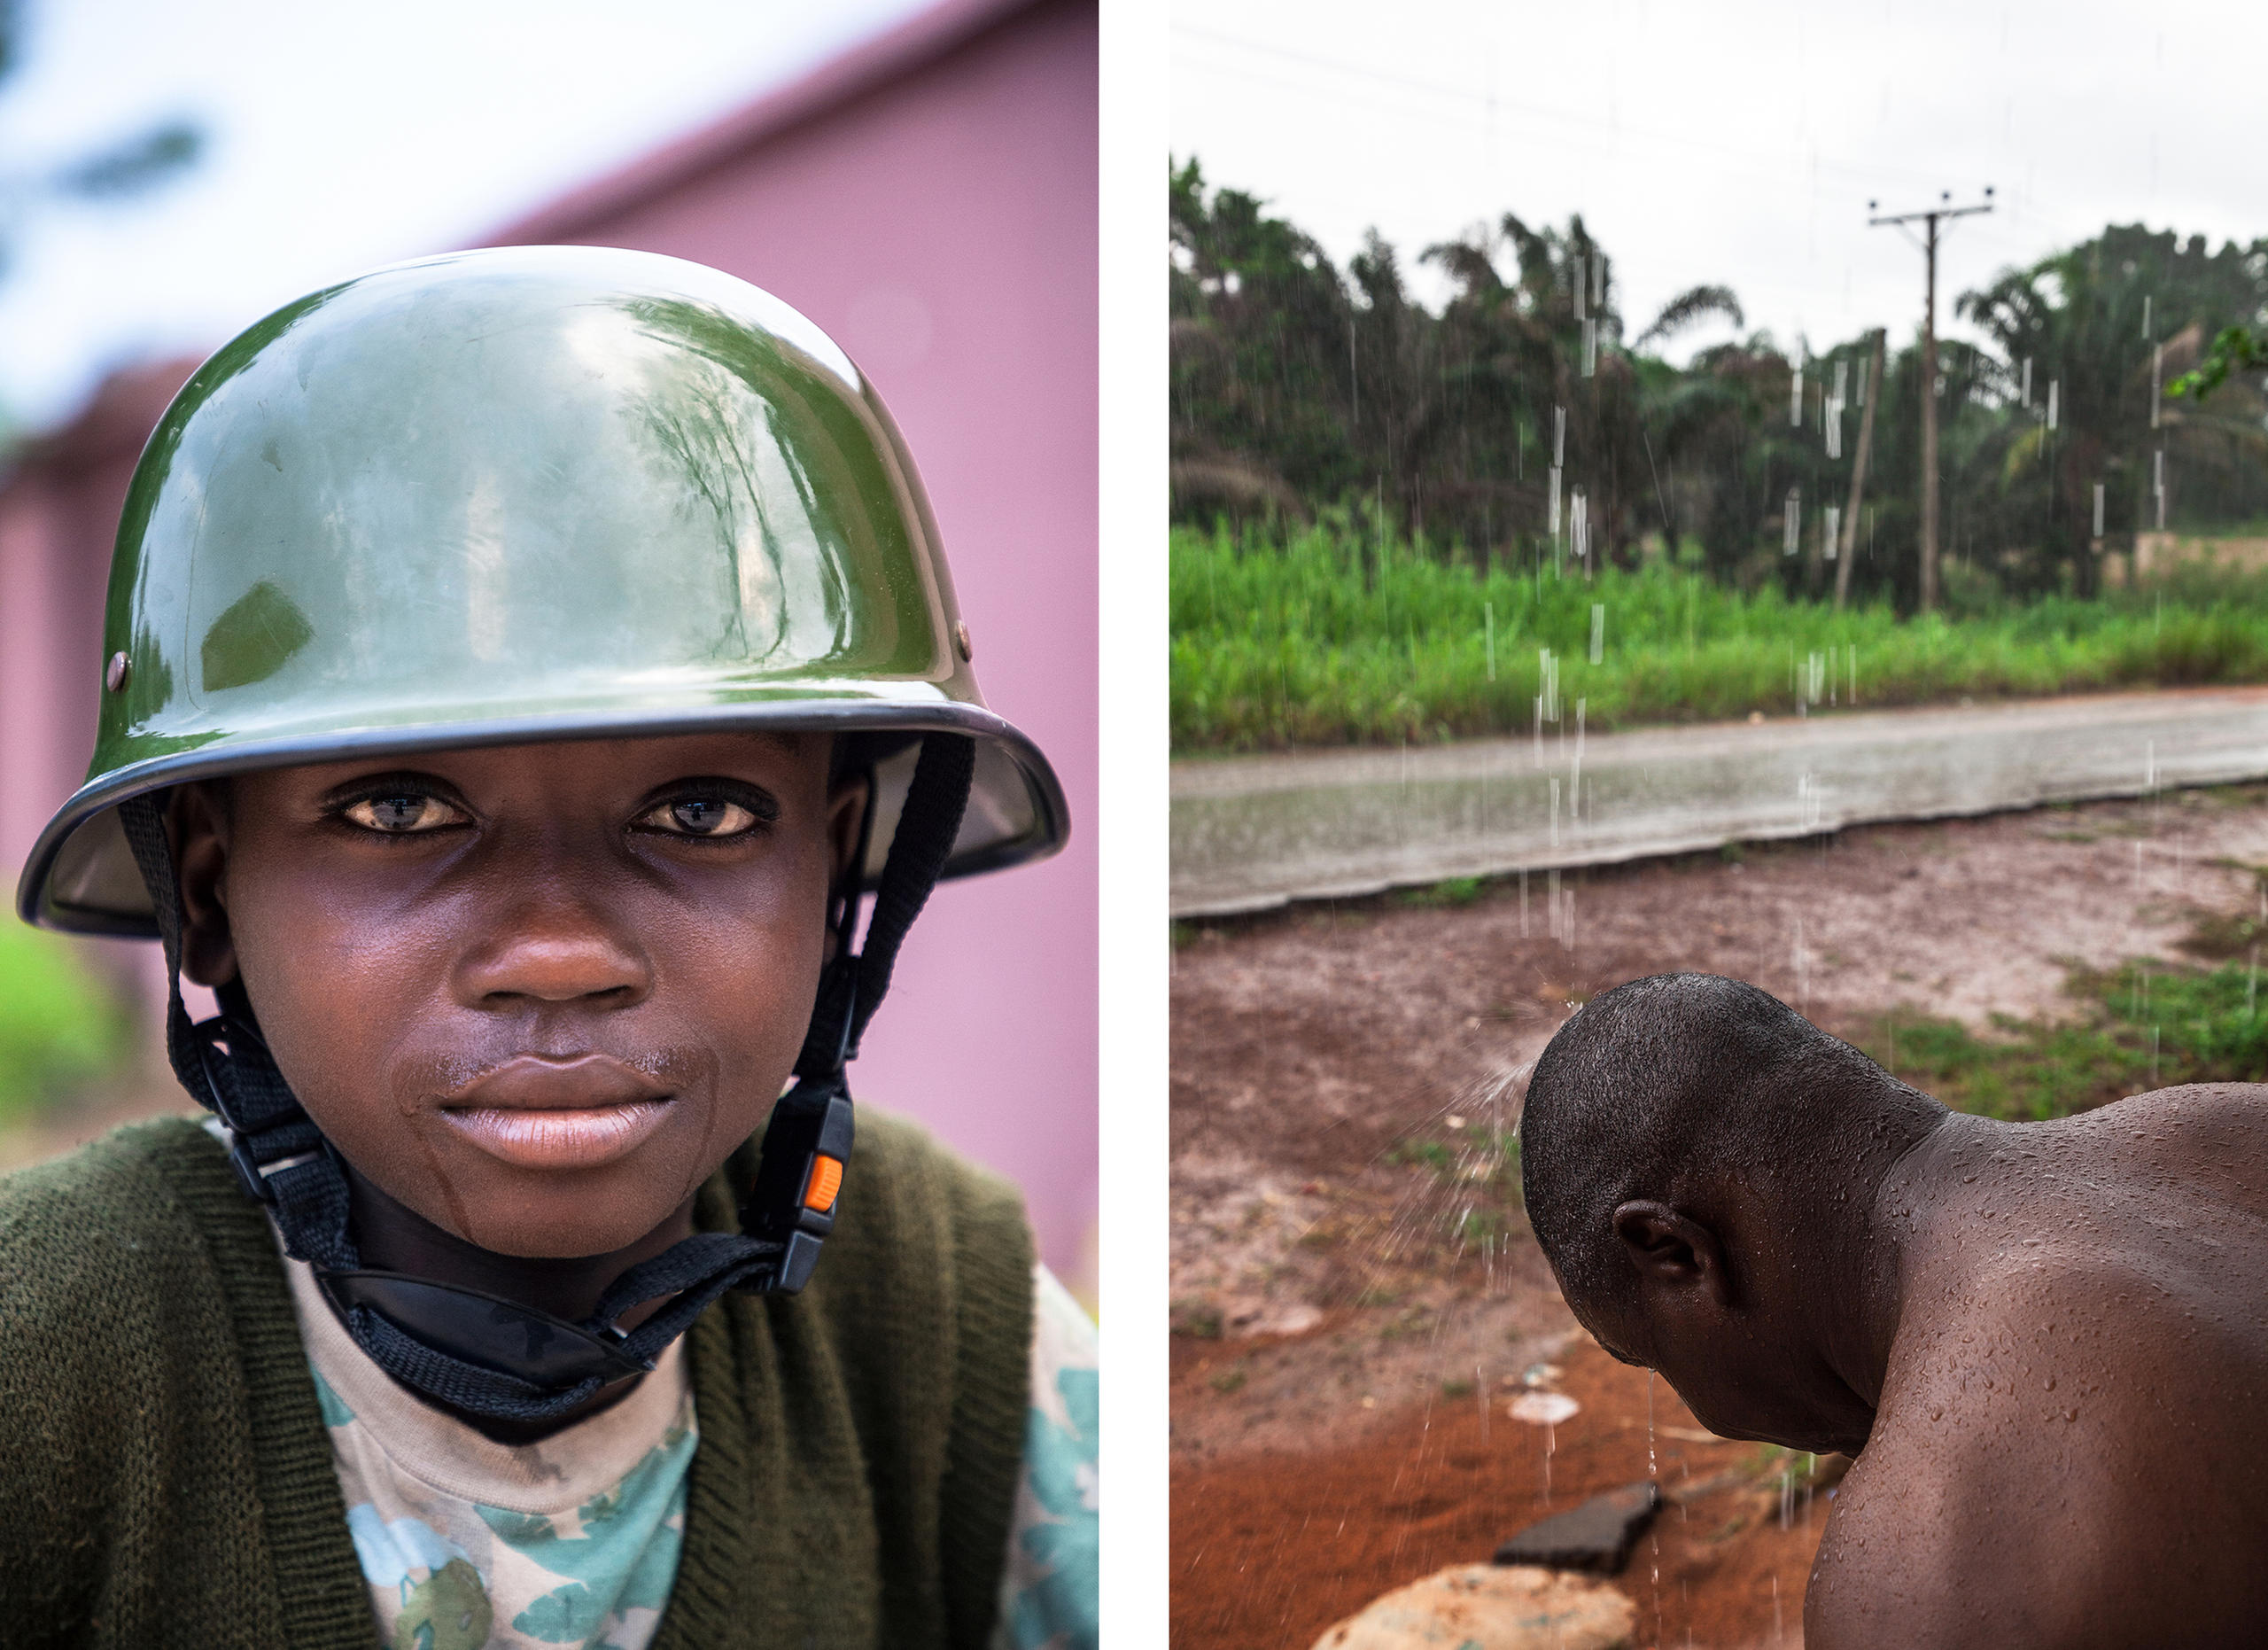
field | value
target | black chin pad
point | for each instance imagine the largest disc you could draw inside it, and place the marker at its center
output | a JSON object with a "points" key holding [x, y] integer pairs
{"points": [[481, 1329]]}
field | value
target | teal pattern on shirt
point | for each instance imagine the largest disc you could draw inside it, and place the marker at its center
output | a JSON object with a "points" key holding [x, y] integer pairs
{"points": [[1060, 1465], [623, 1557], [614, 1553]]}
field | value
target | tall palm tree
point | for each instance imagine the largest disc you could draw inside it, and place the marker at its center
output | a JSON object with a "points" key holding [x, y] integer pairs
{"points": [[2105, 324]]}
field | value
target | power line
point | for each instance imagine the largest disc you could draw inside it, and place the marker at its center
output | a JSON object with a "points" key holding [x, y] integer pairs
{"points": [[1682, 142]]}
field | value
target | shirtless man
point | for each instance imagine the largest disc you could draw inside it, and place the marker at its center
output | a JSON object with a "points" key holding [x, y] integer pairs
{"points": [[2050, 1339]]}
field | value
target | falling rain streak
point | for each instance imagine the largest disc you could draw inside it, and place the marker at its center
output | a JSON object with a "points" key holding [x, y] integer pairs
{"points": [[1559, 466], [1547, 696]]}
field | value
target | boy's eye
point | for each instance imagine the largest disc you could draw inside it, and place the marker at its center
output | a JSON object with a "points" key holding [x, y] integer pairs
{"points": [[402, 815], [699, 816]]}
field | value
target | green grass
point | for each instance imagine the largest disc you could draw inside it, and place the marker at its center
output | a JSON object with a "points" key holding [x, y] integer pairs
{"points": [[59, 1027], [1474, 1178], [1485, 1161], [2142, 1026], [1451, 891], [1200, 1318], [1325, 638]]}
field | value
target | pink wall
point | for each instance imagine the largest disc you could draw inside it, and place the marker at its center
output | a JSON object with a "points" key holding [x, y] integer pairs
{"points": [[930, 201], [942, 226], [59, 514], [33, 736], [58, 518]]}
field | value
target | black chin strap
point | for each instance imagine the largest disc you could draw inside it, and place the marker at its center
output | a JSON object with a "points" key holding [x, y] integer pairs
{"points": [[492, 1356]]}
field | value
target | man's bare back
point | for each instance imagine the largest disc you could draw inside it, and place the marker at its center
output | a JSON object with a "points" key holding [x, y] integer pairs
{"points": [[2076, 1398], [2046, 1342]]}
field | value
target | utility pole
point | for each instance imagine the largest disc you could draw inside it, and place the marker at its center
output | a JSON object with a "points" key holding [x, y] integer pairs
{"points": [[1850, 544], [1929, 374]]}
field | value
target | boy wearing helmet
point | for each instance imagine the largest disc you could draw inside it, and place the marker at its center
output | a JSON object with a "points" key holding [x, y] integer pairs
{"points": [[519, 666]]}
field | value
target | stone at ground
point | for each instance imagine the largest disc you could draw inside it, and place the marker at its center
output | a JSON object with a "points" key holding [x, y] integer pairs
{"points": [[1543, 1409], [1271, 1318], [1597, 1535], [1485, 1606]]}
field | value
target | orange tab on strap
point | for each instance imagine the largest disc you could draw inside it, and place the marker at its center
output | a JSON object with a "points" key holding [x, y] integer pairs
{"points": [[825, 1180]]}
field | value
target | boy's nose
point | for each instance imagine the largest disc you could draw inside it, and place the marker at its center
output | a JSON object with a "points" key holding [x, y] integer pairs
{"points": [[559, 949]]}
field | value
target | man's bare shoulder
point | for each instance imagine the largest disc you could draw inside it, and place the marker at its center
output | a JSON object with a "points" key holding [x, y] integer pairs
{"points": [[2232, 1105], [2047, 1467], [2239, 1105], [2202, 1144]]}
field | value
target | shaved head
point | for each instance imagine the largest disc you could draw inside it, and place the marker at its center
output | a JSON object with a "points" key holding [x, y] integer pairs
{"points": [[1670, 1088]]}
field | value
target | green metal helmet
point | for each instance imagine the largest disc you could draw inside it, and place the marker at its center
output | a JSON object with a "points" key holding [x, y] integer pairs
{"points": [[529, 494]]}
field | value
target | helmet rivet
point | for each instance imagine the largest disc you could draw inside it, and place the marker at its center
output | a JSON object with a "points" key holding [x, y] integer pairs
{"points": [[961, 640], [115, 676]]}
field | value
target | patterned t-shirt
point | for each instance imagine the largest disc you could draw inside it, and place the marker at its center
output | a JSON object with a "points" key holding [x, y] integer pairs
{"points": [[468, 1543]]}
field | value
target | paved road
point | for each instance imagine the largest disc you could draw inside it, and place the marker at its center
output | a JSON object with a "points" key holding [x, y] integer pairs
{"points": [[1253, 832]]}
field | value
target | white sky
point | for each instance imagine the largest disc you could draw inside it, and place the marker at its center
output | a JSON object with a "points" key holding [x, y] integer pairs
{"points": [[339, 138], [1736, 140]]}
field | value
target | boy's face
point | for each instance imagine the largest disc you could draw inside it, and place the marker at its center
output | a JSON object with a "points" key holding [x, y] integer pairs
{"points": [[536, 993]]}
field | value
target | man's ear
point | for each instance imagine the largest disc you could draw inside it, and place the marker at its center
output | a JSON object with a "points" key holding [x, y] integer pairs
{"points": [[198, 816], [1671, 1251]]}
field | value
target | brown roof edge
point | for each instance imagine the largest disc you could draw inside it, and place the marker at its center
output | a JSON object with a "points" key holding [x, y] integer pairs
{"points": [[891, 56], [113, 422], [116, 419]]}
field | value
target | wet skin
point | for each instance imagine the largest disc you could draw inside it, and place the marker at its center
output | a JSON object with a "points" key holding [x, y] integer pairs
{"points": [[2051, 1342], [535, 995]]}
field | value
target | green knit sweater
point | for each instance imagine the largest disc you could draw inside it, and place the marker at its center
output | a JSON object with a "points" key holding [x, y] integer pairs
{"points": [[166, 1477]]}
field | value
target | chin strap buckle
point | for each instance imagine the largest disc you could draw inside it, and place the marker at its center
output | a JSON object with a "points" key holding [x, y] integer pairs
{"points": [[256, 1174], [221, 1095], [800, 1178]]}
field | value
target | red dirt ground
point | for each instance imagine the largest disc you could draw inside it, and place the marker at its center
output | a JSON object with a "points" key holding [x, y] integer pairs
{"points": [[1336, 1309], [1272, 1548]]}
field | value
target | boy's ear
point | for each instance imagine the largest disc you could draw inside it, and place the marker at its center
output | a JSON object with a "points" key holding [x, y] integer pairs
{"points": [[1673, 1251], [846, 810], [198, 816]]}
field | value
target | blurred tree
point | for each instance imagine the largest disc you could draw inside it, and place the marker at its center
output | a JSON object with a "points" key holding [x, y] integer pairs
{"points": [[125, 169], [61, 1027], [1264, 358]]}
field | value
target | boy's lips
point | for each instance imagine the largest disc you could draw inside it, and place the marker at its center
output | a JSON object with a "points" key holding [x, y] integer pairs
{"points": [[537, 1112]]}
